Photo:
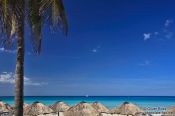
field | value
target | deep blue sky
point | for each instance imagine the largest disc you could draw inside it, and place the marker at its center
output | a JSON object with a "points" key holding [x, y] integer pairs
{"points": [[114, 47]]}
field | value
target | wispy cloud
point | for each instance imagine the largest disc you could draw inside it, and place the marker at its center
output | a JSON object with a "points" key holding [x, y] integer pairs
{"points": [[168, 22], [162, 34], [9, 78], [145, 63], [147, 36], [7, 51], [10, 51], [96, 49], [156, 33], [167, 32]]}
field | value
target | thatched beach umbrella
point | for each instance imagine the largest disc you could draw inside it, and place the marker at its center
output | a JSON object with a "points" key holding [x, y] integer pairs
{"points": [[170, 111], [82, 109], [59, 107], [37, 108], [100, 108], [4, 107], [25, 105], [127, 109]]}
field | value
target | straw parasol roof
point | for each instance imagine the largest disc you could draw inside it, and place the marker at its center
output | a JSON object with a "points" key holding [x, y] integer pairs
{"points": [[100, 108], [4, 107], [82, 109], [59, 107], [37, 108], [170, 111], [25, 105], [127, 109]]}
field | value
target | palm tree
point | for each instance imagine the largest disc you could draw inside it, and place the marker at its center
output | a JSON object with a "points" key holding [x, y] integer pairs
{"points": [[14, 14]]}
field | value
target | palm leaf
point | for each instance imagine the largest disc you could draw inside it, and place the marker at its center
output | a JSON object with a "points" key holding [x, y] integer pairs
{"points": [[39, 11], [7, 21], [35, 22], [62, 16], [54, 13]]}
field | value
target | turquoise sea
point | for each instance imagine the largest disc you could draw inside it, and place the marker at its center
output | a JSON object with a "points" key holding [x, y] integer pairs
{"points": [[109, 101]]}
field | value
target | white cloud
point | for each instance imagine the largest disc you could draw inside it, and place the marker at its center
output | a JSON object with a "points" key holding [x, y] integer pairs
{"points": [[166, 33], [9, 77], [156, 33], [145, 63], [96, 49], [3, 50], [147, 36], [7, 51], [4, 72], [168, 22]]}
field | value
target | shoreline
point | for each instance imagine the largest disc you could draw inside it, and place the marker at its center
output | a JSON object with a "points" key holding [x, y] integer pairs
{"points": [[83, 105], [109, 101]]}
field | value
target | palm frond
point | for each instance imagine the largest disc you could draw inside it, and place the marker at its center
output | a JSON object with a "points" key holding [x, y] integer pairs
{"points": [[54, 13], [7, 21], [62, 17], [35, 23], [13, 18], [13, 15]]}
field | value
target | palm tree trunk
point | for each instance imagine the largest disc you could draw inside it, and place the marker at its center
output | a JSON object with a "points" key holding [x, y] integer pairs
{"points": [[19, 82]]}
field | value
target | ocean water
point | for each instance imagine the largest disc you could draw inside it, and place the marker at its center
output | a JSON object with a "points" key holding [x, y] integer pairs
{"points": [[108, 101]]}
